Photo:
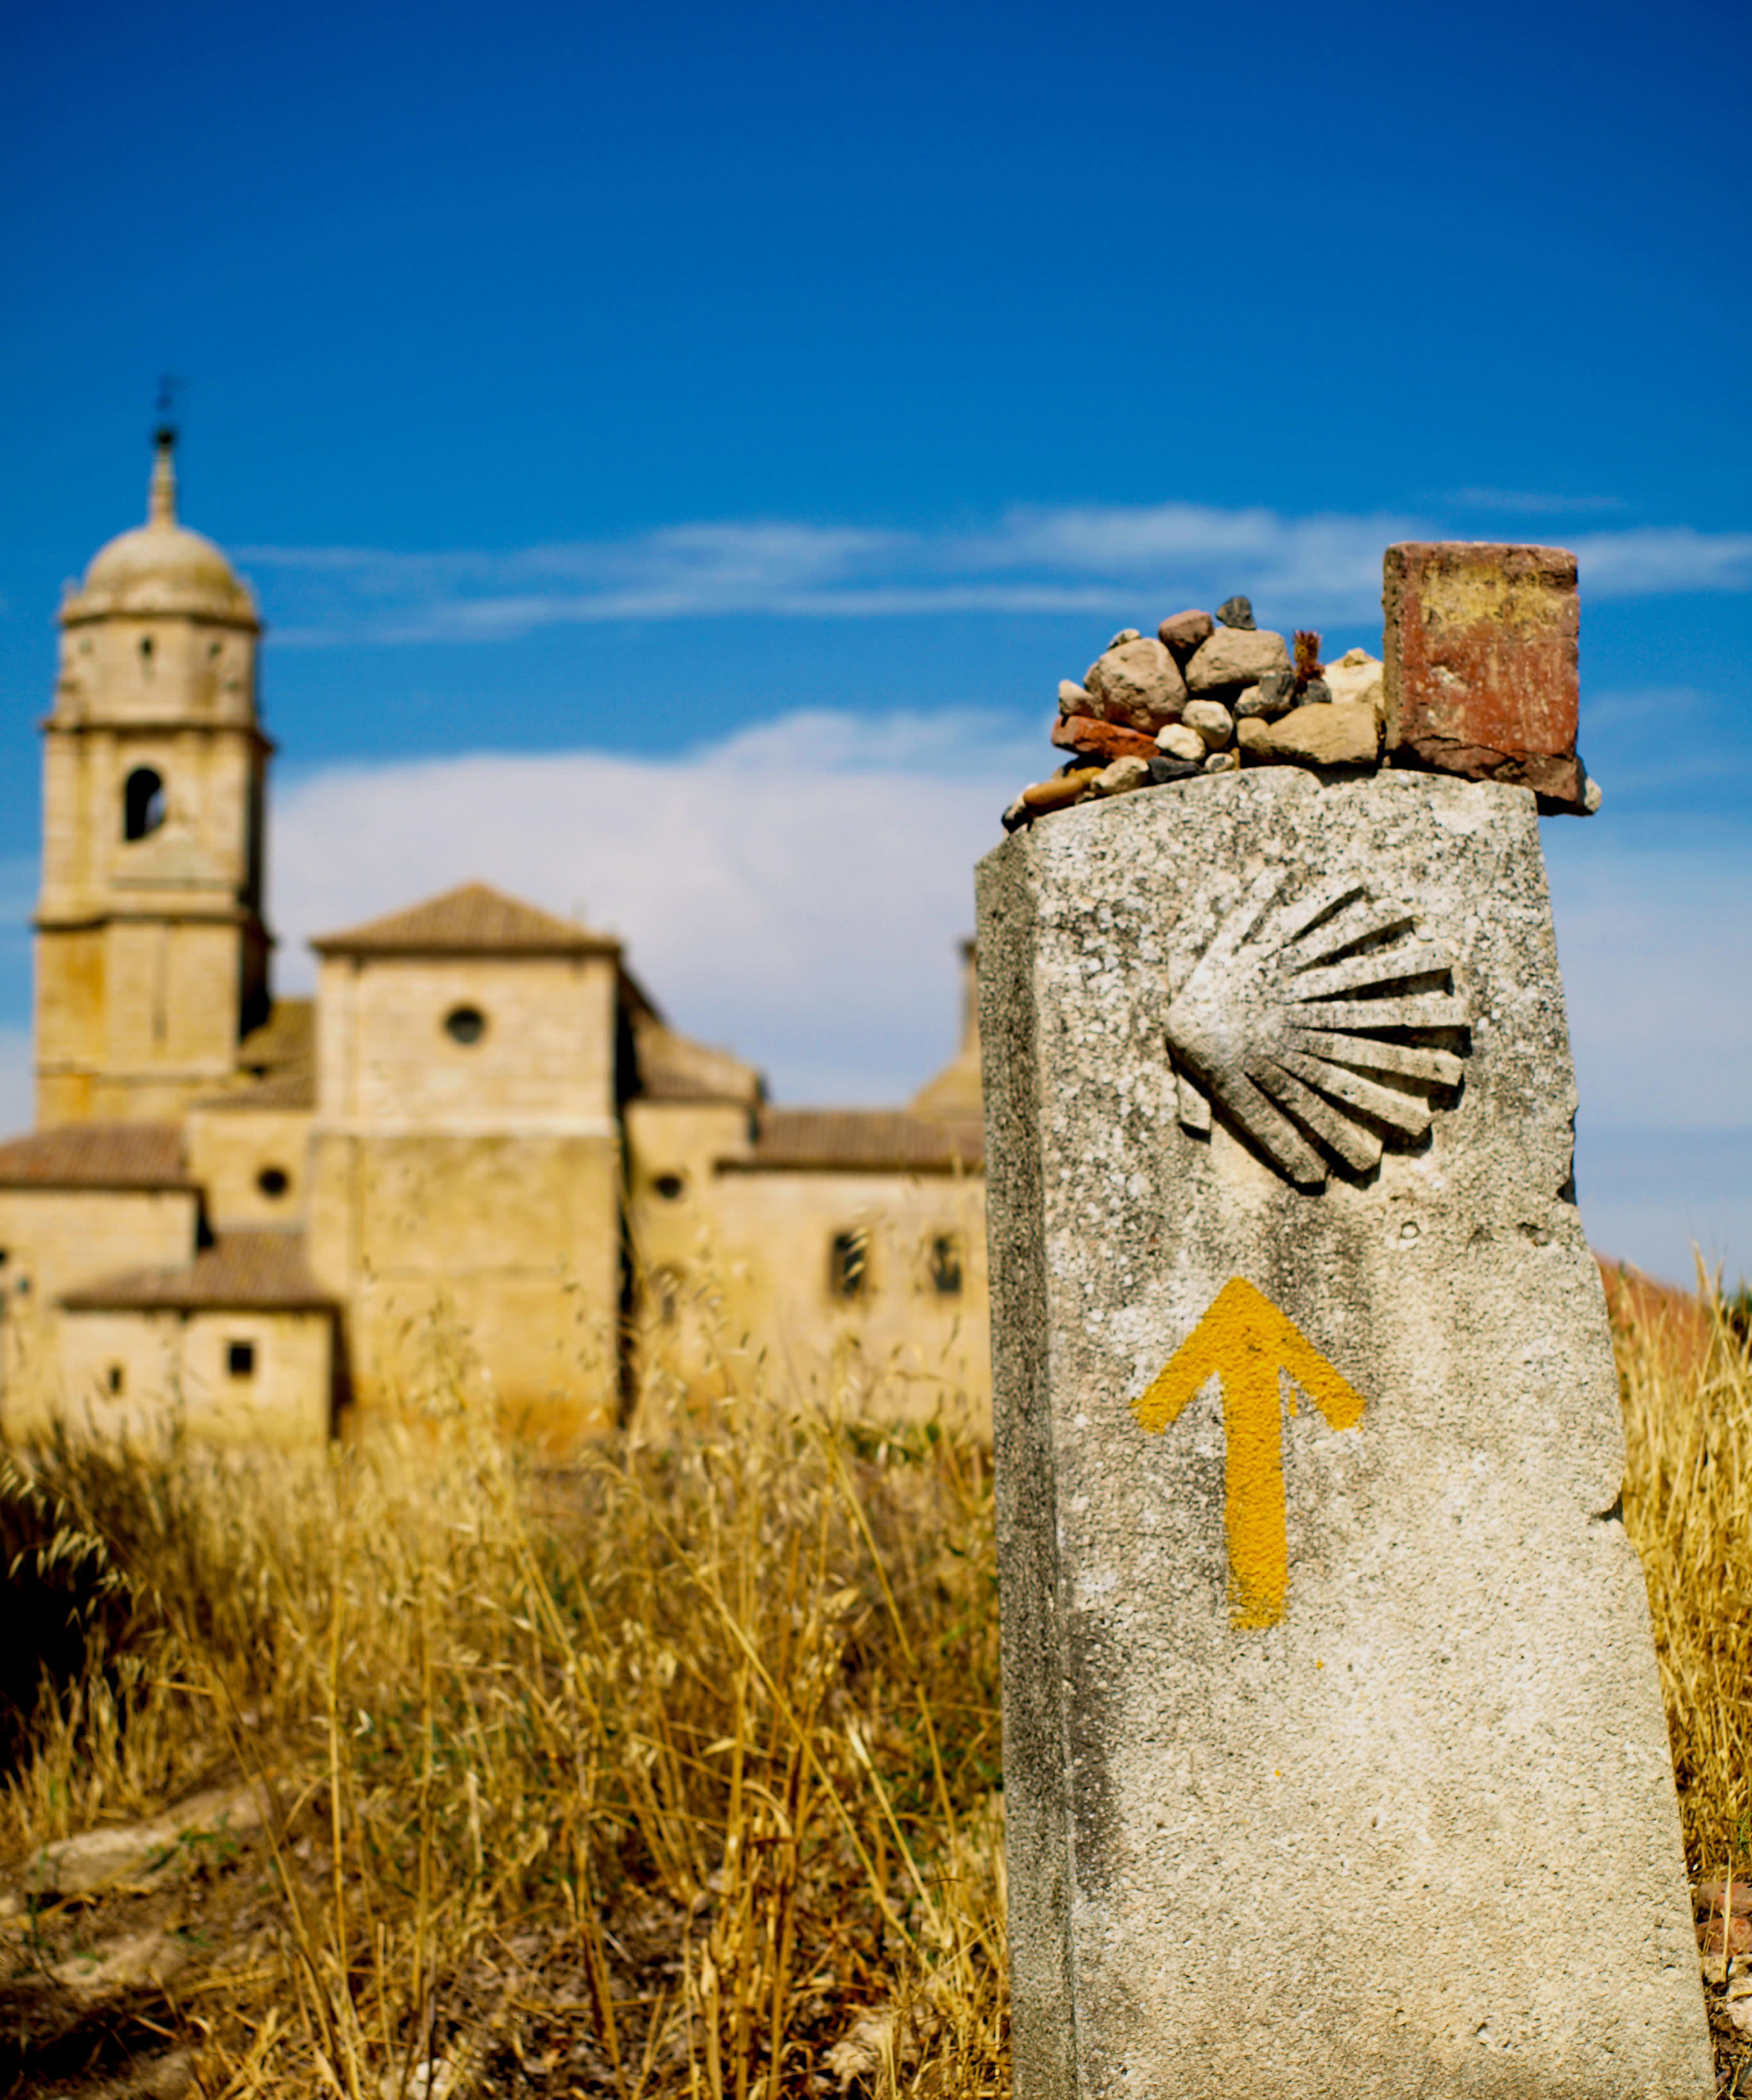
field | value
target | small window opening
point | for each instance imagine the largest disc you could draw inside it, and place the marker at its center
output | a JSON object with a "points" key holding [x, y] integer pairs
{"points": [[24, 1287], [143, 803], [116, 1379], [240, 1359], [671, 1187], [146, 654], [945, 1265], [273, 1182], [466, 1025], [849, 1265]]}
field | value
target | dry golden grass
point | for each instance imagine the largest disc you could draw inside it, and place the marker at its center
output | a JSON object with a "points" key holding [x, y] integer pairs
{"points": [[1685, 1379], [673, 1773]]}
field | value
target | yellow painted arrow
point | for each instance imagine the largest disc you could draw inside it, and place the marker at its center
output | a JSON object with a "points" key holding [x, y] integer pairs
{"points": [[1247, 1341]]}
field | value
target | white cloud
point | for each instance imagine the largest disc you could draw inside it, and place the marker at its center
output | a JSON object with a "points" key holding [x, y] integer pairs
{"points": [[1531, 503], [1650, 559], [1657, 953], [1094, 558], [17, 1101], [796, 892]]}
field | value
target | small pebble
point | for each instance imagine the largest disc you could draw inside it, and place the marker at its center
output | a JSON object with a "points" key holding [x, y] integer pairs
{"points": [[1274, 696], [1060, 791], [1316, 691], [1213, 722], [1178, 741], [1237, 612], [1222, 761], [1183, 633], [1125, 634], [1073, 698], [1164, 770], [1018, 814], [1121, 778]]}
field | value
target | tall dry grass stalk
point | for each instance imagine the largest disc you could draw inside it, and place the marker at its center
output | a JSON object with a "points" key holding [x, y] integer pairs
{"points": [[1685, 1378], [673, 1773]]}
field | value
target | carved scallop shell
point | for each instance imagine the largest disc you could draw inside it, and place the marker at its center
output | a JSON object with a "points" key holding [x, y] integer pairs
{"points": [[1303, 1022]]}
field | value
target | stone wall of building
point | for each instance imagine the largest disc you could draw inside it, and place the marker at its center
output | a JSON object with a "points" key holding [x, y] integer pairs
{"points": [[52, 1239], [257, 1378]]}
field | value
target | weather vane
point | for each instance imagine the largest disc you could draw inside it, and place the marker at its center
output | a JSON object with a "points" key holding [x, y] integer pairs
{"points": [[168, 387]]}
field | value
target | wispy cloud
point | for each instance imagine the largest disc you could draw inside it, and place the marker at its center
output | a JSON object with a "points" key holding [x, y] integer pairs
{"points": [[1097, 559], [1530, 503]]}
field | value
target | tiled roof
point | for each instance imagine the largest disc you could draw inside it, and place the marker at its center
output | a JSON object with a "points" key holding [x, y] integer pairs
{"points": [[284, 1091], [96, 1155], [862, 1141], [675, 1068], [241, 1272], [475, 919], [287, 1037]]}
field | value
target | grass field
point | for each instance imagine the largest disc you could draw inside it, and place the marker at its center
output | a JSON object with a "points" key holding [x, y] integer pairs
{"points": [[675, 1773]]}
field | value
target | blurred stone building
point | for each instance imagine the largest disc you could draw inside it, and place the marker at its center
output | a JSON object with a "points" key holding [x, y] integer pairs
{"points": [[478, 1161]]}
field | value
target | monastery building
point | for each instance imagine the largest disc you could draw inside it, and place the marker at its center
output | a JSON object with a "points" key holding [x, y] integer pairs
{"points": [[480, 1160]]}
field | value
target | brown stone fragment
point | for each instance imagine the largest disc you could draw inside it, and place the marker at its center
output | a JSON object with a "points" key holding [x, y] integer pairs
{"points": [[1136, 683], [1060, 791], [1111, 740], [1479, 674], [1328, 733], [1184, 631]]}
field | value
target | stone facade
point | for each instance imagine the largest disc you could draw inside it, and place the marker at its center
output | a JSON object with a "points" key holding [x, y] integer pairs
{"points": [[480, 1160]]}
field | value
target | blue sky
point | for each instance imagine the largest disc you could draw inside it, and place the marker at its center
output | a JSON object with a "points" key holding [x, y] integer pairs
{"points": [[745, 417]]}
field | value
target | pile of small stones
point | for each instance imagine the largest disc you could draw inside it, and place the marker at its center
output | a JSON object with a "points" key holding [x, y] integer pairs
{"points": [[1205, 696]]}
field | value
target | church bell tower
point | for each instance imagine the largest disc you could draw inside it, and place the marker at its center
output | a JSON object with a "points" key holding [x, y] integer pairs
{"points": [[151, 952]]}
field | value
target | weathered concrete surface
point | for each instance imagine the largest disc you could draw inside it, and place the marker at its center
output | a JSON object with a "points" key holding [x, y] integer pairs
{"points": [[1419, 1836]]}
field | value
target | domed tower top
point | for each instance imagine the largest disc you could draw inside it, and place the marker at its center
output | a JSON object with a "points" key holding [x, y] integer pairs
{"points": [[162, 567], [152, 954]]}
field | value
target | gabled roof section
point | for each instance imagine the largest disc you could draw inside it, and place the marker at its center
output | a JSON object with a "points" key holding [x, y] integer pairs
{"points": [[861, 1141], [287, 1037], [475, 919], [675, 1068], [96, 1155], [241, 1272]]}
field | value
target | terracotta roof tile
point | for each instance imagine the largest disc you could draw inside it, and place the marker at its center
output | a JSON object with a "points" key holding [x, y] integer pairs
{"points": [[475, 919], [96, 1155], [862, 1141], [241, 1272]]}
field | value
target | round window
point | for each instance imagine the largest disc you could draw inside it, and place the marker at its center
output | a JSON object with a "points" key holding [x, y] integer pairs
{"points": [[273, 1181], [465, 1024]]}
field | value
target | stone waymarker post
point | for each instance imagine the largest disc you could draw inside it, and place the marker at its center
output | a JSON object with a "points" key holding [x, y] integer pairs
{"points": [[1334, 1756]]}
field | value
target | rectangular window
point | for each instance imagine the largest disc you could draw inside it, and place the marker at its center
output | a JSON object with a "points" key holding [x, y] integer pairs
{"points": [[117, 1379], [945, 1265], [849, 1265], [240, 1359]]}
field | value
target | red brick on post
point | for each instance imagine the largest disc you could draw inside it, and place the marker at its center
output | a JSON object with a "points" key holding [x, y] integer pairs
{"points": [[1480, 673]]}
